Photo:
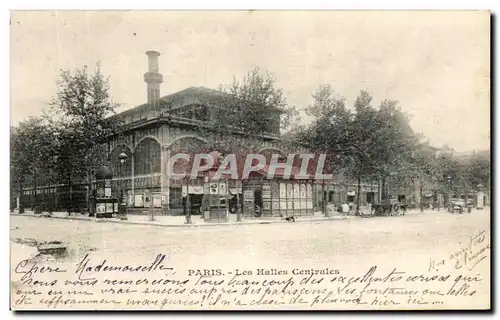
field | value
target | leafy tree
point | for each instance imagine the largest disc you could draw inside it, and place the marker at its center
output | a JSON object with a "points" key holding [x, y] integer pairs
{"points": [[367, 142], [242, 116], [19, 163], [70, 164], [480, 170], [378, 140], [329, 130], [363, 141], [257, 96], [396, 141], [468, 172], [427, 171], [327, 133], [32, 150], [83, 106]]}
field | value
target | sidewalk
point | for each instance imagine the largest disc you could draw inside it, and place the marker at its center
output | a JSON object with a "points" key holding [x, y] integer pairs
{"points": [[180, 221]]}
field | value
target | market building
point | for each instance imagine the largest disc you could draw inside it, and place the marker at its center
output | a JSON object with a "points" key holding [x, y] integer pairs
{"points": [[167, 125]]}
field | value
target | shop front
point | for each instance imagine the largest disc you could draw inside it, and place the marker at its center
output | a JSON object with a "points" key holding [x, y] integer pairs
{"points": [[277, 197]]}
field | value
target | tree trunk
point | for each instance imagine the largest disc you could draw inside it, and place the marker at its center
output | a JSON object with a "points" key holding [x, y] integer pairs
{"points": [[21, 197], [89, 190], [56, 199], [384, 191], [358, 195], [488, 201], [11, 198], [421, 197], [49, 198], [467, 200], [70, 196], [88, 177], [238, 205], [323, 198], [378, 193], [227, 199], [36, 206]]}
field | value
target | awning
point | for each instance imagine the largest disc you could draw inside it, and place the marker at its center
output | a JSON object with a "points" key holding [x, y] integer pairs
{"points": [[351, 193]]}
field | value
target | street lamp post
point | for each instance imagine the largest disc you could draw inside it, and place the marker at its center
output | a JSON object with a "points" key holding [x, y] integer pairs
{"points": [[438, 199], [122, 207]]}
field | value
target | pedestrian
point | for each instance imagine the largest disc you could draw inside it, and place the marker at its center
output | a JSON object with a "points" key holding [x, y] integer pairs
{"points": [[345, 208], [257, 210], [403, 206]]}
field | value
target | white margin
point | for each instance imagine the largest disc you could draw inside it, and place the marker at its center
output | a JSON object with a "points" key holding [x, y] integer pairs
{"points": [[157, 5]]}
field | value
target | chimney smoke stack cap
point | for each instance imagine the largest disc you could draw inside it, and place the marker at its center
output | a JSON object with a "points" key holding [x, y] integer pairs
{"points": [[153, 53]]}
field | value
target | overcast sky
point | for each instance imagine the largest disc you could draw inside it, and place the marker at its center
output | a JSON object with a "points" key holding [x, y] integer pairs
{"points": [[435, 63]]}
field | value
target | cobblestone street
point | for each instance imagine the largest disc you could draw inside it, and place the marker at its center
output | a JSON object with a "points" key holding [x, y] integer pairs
{"points": [[306, 242], [415, 244]]}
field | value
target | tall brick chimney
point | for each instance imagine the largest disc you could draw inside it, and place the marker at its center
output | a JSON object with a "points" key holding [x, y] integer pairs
{"points": [[153, 79]]}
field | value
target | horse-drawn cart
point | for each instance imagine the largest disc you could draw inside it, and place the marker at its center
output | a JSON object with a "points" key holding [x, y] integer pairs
{"points": [[387, 207]]}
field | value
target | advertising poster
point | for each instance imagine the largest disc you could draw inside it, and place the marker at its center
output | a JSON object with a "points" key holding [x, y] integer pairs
{"points": [[139, 200], [101, 208], [109, 207], [282, 191], [157, 200]]}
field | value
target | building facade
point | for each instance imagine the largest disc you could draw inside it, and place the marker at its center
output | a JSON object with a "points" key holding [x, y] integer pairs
{"points": [[168, 125]]}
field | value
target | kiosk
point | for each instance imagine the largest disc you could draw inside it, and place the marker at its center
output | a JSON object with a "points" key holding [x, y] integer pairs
{"points": [[215, 201], [106, 206]]}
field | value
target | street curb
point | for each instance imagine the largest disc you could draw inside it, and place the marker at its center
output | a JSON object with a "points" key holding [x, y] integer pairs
{"points": [[185, 225]]}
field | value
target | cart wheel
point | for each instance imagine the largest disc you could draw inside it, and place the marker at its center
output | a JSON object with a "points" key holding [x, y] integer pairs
{"points": [[395, 208], [379, 210]]}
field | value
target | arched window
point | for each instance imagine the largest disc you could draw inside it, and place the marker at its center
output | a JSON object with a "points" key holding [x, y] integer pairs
{"points": [[187, 145], [121, 169], [147, 157]]}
